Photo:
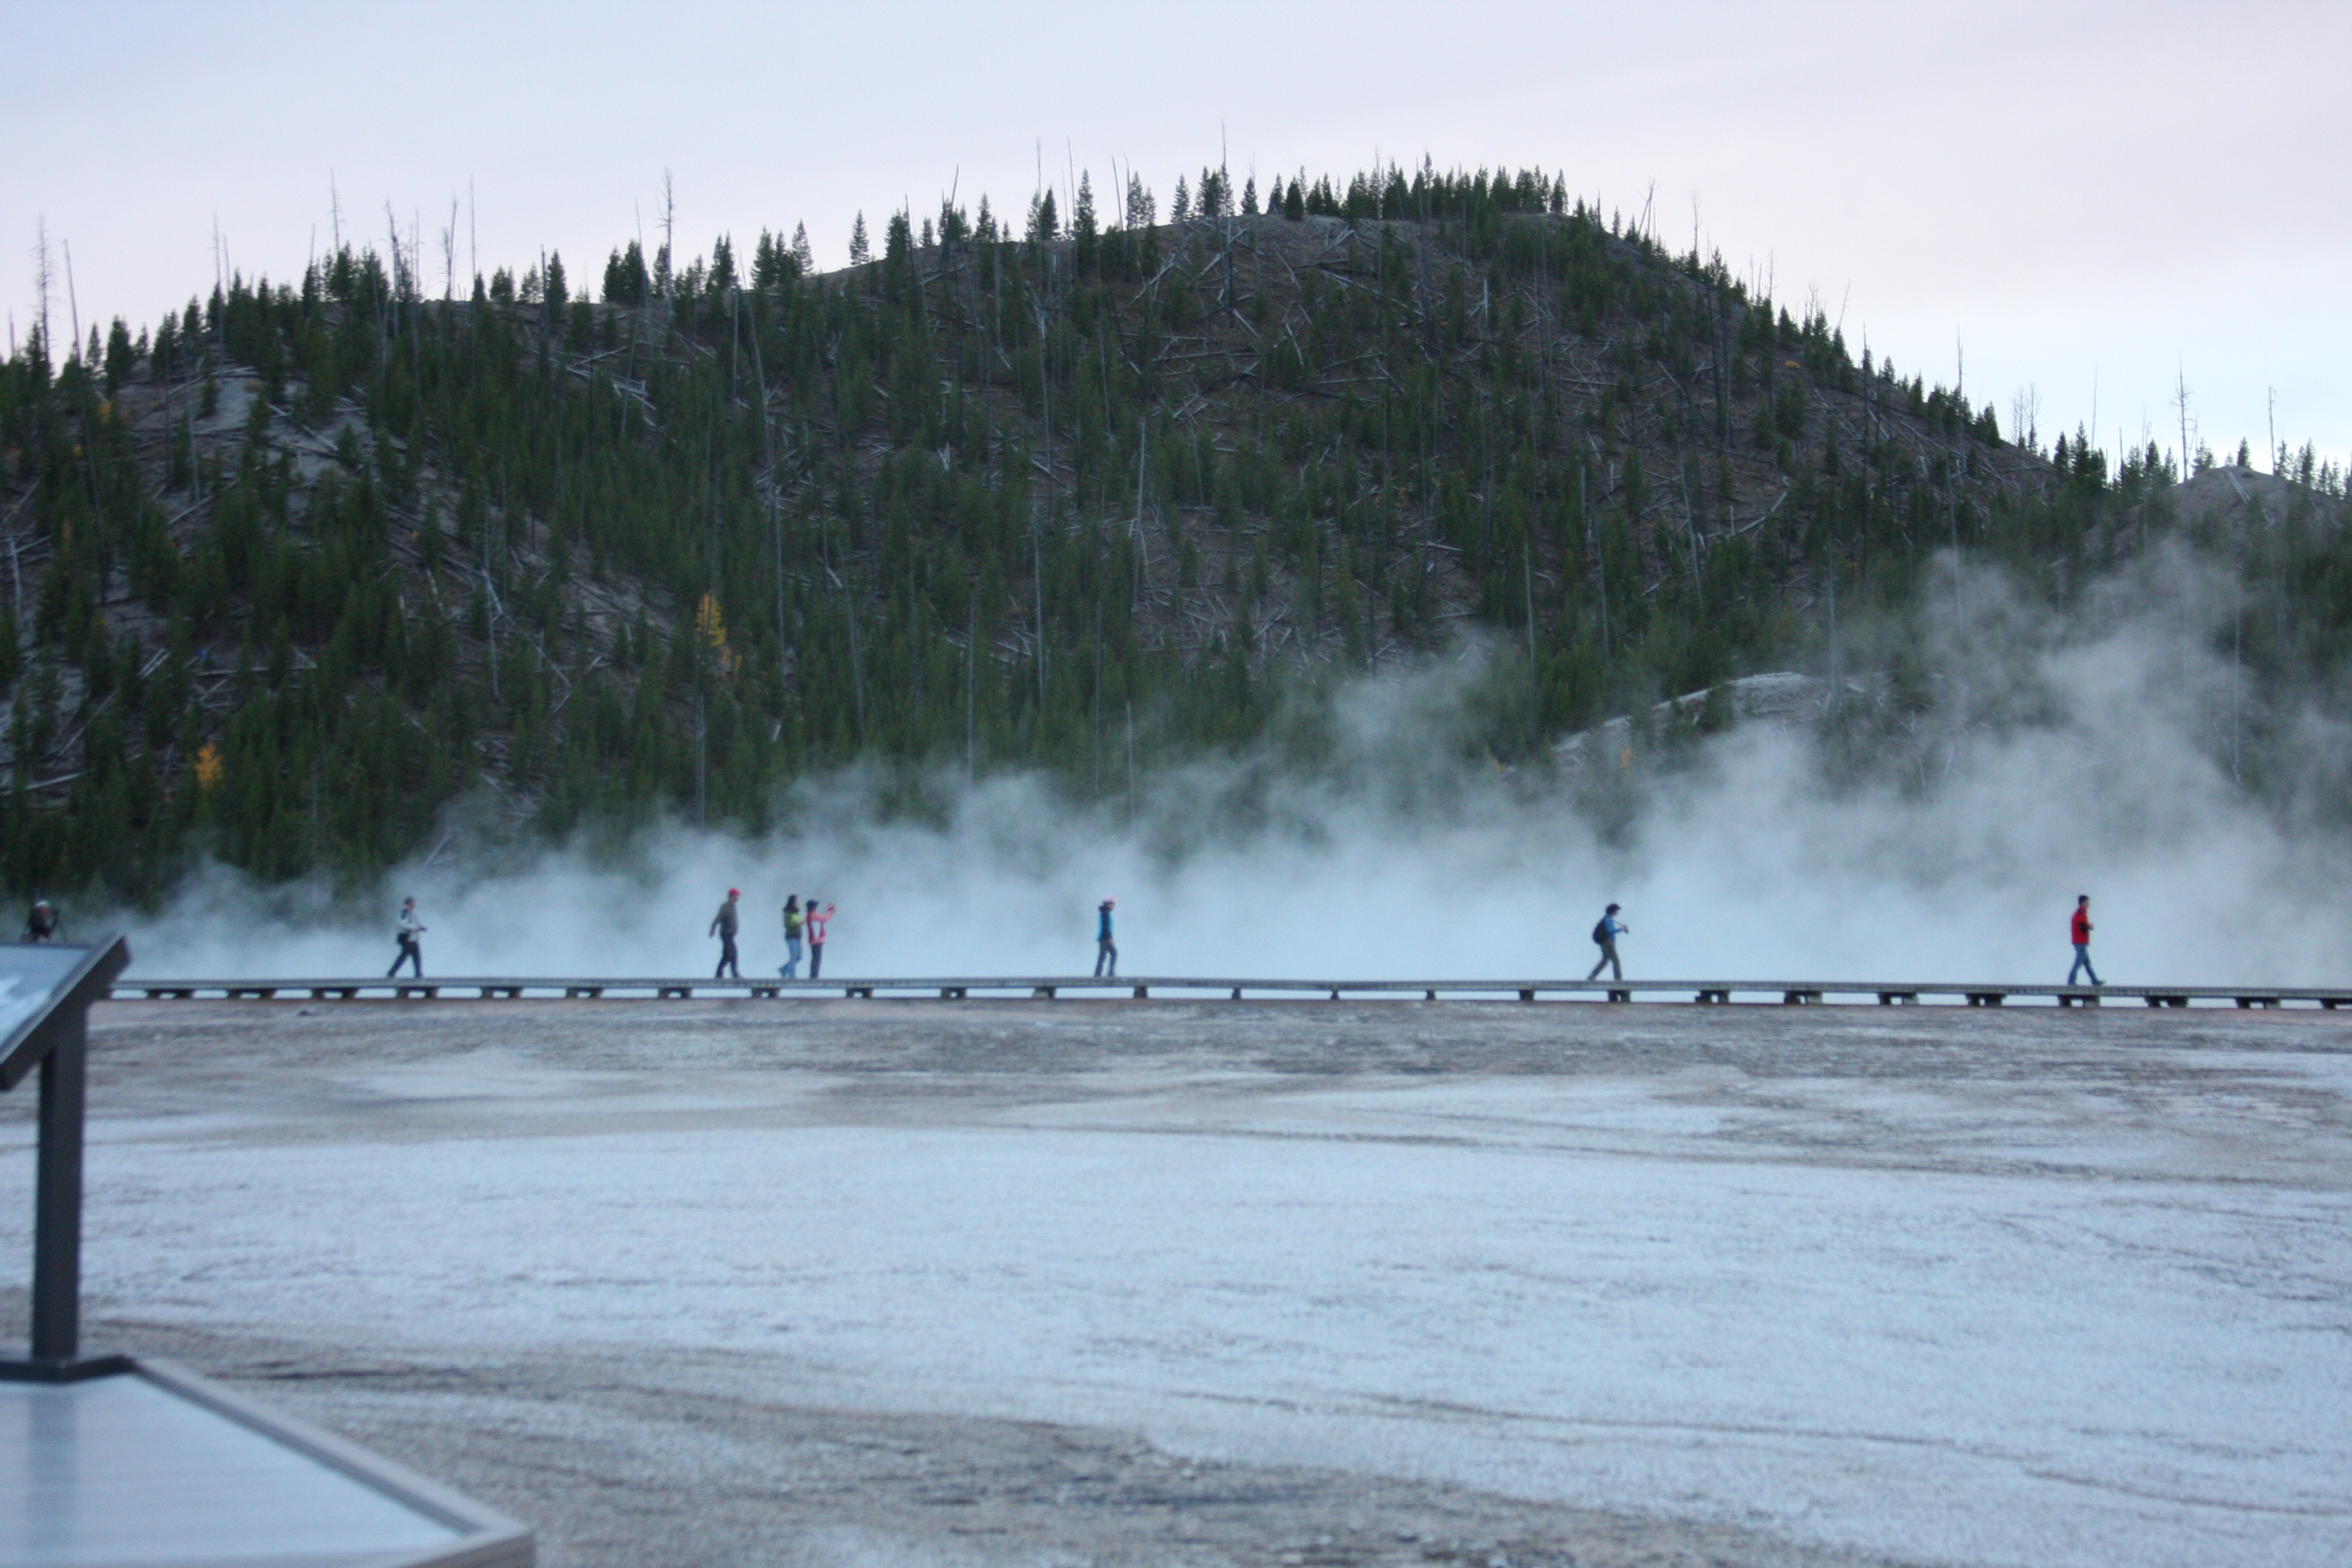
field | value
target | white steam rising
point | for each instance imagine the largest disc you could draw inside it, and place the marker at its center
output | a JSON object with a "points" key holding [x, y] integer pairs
{"points": [[2061, 757]]}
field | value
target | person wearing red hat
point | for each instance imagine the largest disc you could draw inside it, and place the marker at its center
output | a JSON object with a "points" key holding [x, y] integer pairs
{"points": [[1106, 950], [723, 926]]}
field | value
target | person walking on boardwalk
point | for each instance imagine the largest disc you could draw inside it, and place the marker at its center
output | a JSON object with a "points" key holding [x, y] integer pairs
{"points": [[1606, 934], [41, 922], [1106, 950], [814, 920], [409, 929], [794, 922], [723, 925], [2080, 930]]}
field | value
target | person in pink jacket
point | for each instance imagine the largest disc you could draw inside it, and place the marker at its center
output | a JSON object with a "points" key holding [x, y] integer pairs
{"points": [[815, 923]]}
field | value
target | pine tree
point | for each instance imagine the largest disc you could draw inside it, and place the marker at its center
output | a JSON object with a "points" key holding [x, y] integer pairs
{"points": [[1085, 238], [951, 511], [1044, 224]]}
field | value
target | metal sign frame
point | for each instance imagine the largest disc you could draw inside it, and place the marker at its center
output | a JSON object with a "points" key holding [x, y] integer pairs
{"points": [[55, 1041]]}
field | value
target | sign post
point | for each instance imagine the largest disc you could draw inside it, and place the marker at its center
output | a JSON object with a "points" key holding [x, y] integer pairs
{"points": [[45, 990]]}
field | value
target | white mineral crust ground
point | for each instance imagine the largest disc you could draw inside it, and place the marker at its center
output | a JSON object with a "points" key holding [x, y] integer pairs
{"points": [[2025, 1288]]}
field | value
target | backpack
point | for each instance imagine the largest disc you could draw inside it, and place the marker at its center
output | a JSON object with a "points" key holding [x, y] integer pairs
{"points": [[1601, 931]]}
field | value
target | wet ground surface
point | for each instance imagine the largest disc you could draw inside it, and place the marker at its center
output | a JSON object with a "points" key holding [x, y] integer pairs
{"points": [[1260, 1283]]}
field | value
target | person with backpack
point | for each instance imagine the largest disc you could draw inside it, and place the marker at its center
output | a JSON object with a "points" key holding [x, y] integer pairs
{"points": [[2079, 929], [723, 925], [793, 923], [410, 929], [815, 923], [1605, 934], [1106, 950]]}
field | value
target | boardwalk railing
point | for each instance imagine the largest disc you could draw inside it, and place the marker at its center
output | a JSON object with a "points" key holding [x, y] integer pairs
{"points": [[955, 988]]}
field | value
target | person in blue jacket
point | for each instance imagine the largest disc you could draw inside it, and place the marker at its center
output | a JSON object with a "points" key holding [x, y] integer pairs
{"points": [[1605, 935], [1106, 950]]}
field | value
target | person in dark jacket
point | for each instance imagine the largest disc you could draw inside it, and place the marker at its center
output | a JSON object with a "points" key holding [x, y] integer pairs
{"points": [[1106, 950], [723, 925], [42, 924], [2079, 929], [1606, 934], [406, 933]]}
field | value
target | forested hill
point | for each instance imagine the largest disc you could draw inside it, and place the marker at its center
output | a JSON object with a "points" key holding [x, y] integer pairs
{"points": [[295, 570]]}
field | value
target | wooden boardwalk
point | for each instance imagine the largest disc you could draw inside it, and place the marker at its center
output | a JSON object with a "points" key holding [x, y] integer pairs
{"points": [[1184, 987]]}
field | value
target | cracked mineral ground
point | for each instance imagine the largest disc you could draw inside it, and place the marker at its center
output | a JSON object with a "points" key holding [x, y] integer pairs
{"points": [[1112, 1283]]}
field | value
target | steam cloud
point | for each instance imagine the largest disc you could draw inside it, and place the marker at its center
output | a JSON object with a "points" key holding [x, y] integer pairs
{"points": [[2086, 753]]}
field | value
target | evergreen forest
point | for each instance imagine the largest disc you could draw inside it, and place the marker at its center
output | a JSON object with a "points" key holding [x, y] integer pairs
{"points": [[303, 569]]}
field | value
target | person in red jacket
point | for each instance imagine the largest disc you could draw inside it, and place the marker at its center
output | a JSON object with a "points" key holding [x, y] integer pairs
{"points": [[2082, 935]]}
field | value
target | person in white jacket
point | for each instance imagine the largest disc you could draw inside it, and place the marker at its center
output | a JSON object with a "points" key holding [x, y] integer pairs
{"points": [[410, 929]]}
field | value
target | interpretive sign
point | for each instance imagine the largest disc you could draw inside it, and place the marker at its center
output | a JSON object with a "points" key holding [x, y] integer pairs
{"points": [[35, 980], [105, 1461], [43, 1024]]}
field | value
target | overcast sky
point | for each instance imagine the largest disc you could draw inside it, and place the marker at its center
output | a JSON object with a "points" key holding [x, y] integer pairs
{"points": [[2088, 199]]}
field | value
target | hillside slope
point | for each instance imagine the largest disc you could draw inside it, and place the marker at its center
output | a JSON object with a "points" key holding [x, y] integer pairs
{"points": [[305, 565]]}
